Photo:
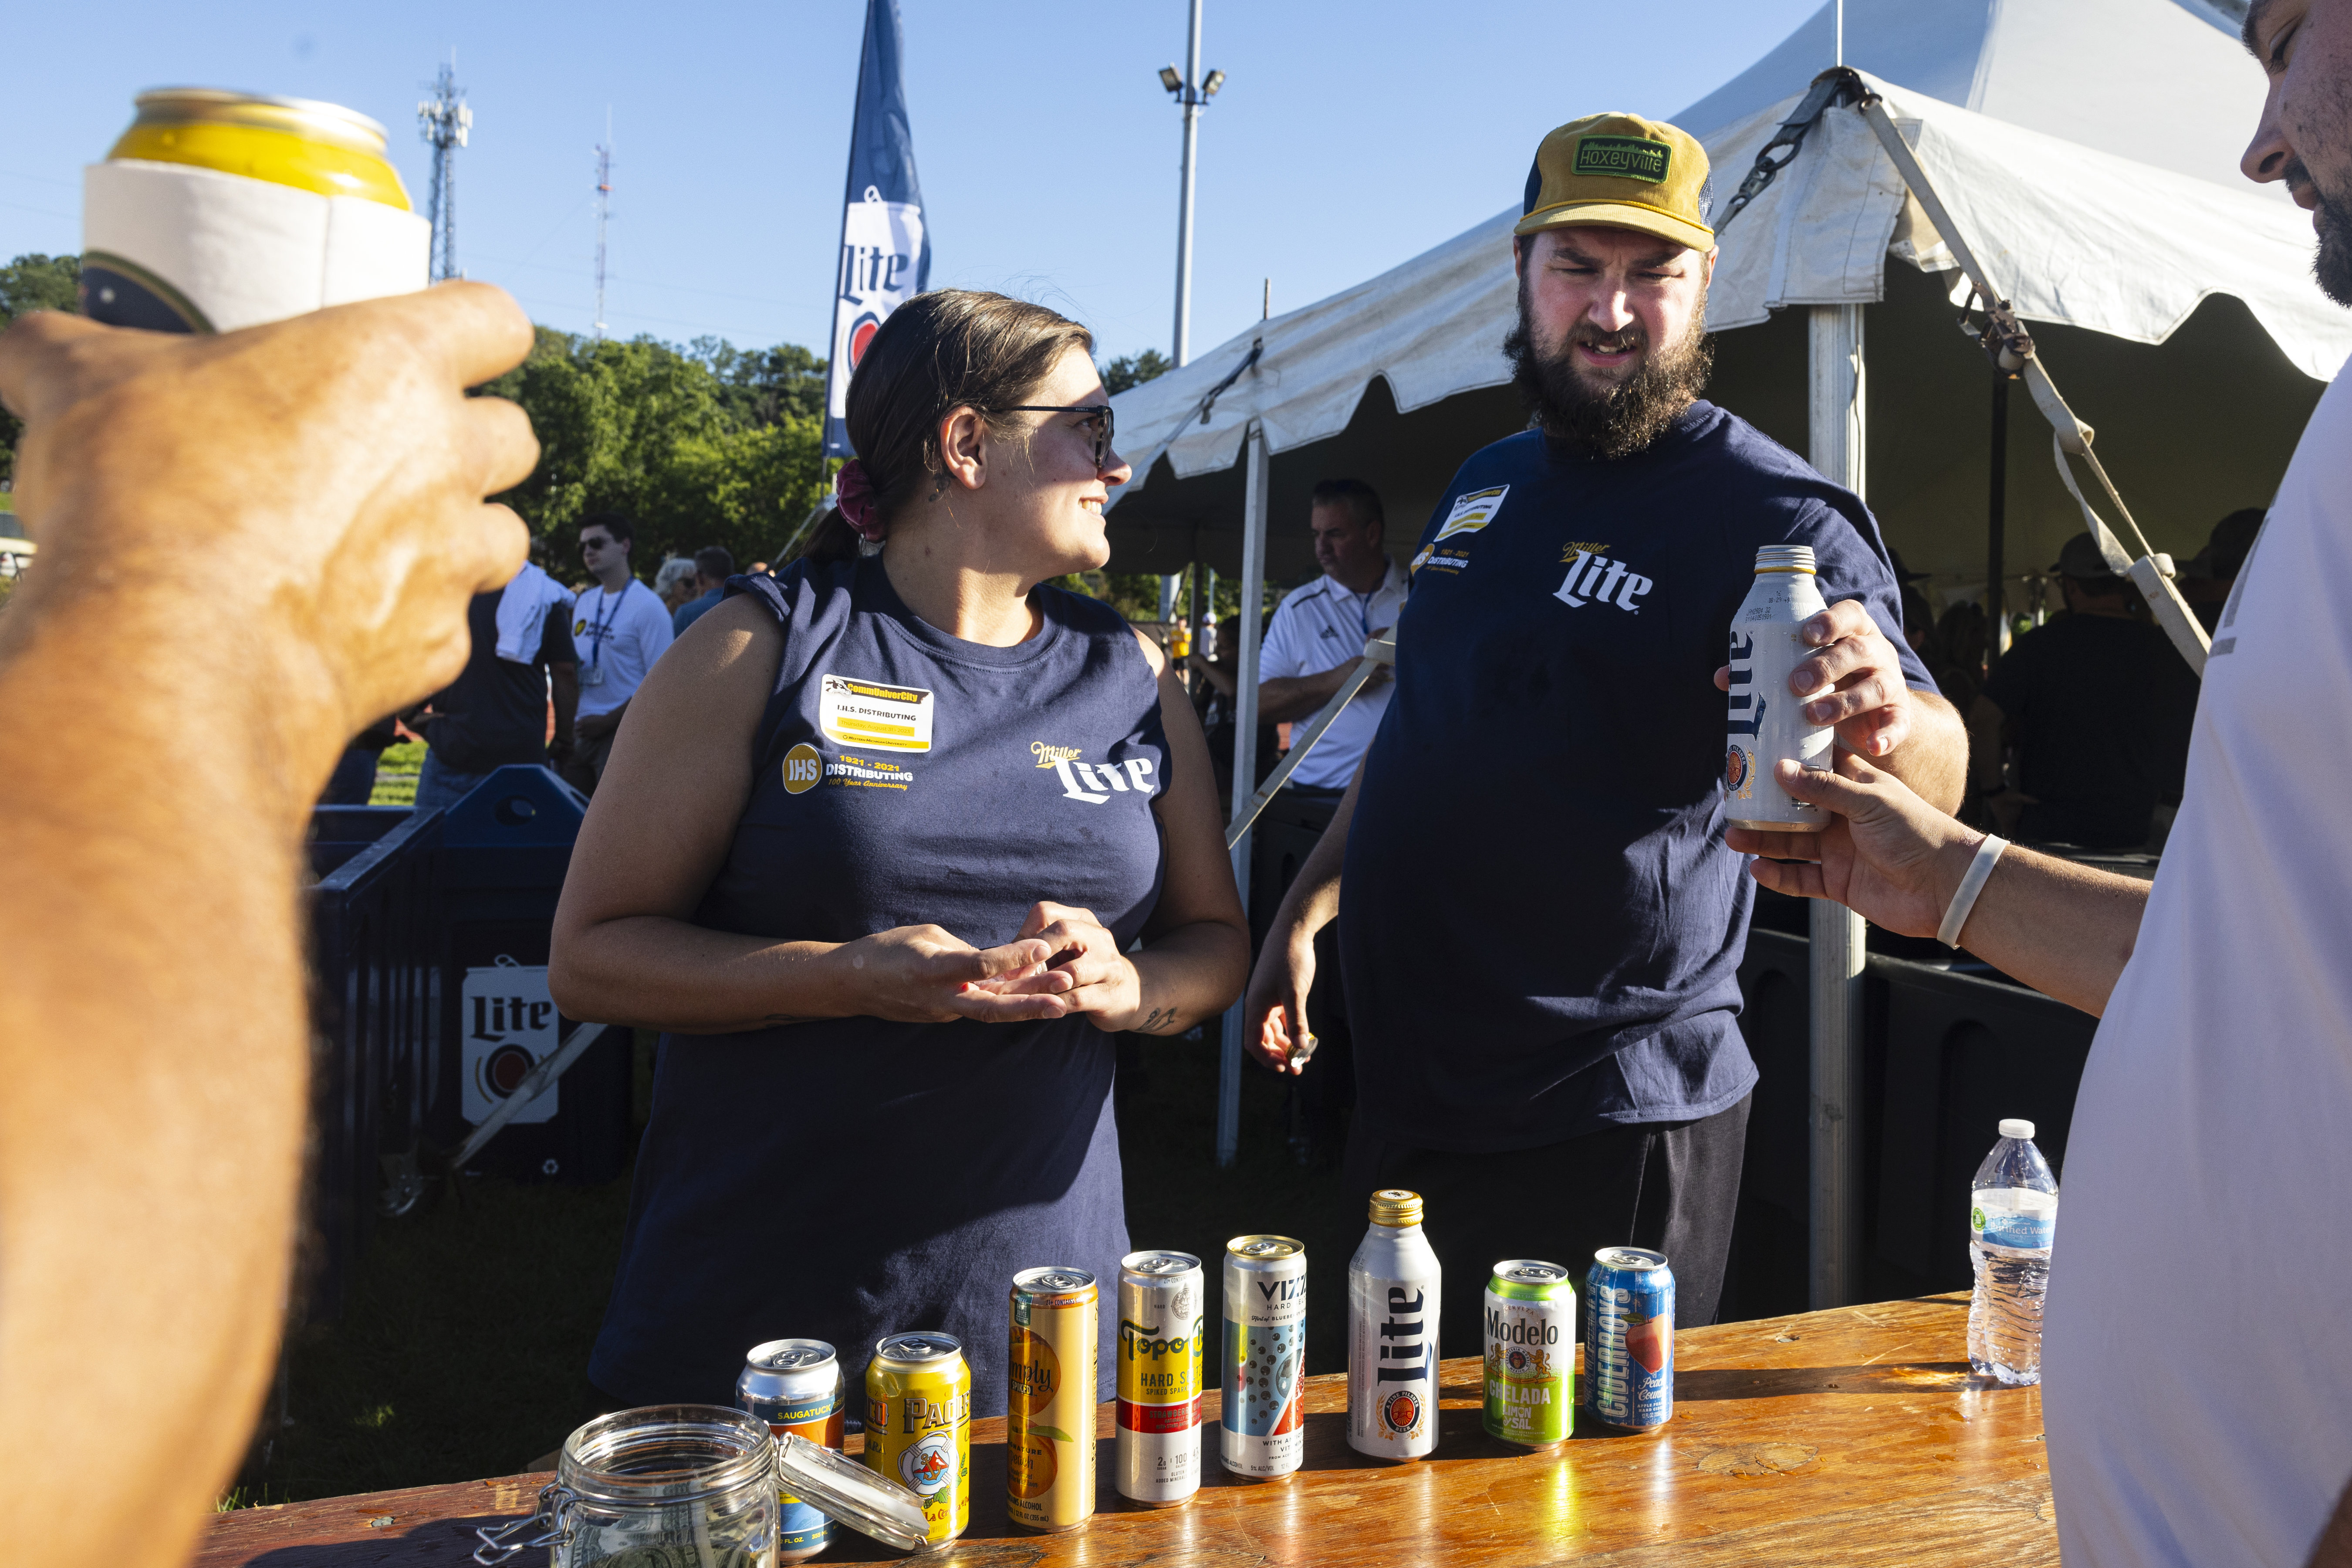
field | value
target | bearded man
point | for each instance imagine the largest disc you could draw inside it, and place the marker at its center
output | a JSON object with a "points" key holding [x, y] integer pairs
{"points": [[1540, 925]]}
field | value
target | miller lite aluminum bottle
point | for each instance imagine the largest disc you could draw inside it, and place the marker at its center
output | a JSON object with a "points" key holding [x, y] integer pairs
{"points": [[1766, 720], [1392, 1292]]}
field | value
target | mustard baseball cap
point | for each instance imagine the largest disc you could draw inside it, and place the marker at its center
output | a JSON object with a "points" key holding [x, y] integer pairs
{"points": [[1622, 171]]}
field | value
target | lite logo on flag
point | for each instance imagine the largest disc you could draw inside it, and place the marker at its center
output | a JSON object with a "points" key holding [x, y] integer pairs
{"points": [[885, 249]]}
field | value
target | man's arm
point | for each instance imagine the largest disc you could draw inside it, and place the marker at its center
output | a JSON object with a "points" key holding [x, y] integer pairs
{"points": [[155, 969], [1274, 1019], [563, 689], [1290, 697]]}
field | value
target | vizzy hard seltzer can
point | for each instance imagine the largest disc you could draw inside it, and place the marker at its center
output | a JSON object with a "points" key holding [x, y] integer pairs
{"points": [[794, 1385], [1393, 1283], [1530, 1334], [218, 210], [1766, 723], [1629, 1339], [1263, 1429], [1160, 1303], [919, 1423], [1049, 1425]]}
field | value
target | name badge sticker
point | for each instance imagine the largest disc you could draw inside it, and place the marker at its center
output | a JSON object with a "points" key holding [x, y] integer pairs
{"points": [[869, 714]]}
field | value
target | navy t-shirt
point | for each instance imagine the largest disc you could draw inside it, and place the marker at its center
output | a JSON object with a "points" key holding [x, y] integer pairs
{"points": [[1540, 926]]}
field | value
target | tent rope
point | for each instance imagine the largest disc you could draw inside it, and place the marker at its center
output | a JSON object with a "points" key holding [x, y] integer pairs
{"points": [[1841, 86]]}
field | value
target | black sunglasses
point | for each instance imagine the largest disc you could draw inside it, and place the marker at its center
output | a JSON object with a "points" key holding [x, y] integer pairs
{"points": [[588, 544], [1100, 412]]}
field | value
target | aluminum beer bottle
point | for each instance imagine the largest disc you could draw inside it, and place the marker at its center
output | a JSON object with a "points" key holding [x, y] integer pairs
{"points": [[794, 1385], [919, 1423], [1393, 1294], [218, 210], [1161, 1302], [1263, 1429], [1530, 1341], [1049, 1415], [1767, 720]]}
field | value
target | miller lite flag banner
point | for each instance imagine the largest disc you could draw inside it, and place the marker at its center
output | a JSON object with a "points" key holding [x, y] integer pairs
{"points": [[885, 251]]}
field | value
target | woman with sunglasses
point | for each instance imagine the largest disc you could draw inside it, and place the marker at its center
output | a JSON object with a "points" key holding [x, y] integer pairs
{"points": [[902, 838]]}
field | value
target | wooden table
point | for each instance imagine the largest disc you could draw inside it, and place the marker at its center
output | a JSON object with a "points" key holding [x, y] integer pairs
{"points": [[1853, 1436]]}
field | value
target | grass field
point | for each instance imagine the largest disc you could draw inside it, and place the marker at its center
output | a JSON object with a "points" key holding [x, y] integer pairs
{"points": [[463, 1350]]}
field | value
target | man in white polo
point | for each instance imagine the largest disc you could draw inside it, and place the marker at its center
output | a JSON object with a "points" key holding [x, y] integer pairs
{"points": [[620, 629], [1317, 634]]}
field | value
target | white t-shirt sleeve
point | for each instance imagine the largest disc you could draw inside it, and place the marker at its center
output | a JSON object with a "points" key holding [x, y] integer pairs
{"points": [[652, 626], [1277, 656]]}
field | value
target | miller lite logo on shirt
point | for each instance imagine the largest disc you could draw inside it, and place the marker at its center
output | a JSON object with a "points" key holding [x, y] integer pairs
{"points": [[1592, 578], [1094, 783]]}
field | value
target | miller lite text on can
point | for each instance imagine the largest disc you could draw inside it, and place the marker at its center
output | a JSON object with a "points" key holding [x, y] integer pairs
{"points": [[218, 210], [1160, 1314], [794, 1385], [919, 1423], [1531, 1337], [1263, 1431], [1393, 1292], [1766, 723], [1629, 1339], [1049, 1416]]}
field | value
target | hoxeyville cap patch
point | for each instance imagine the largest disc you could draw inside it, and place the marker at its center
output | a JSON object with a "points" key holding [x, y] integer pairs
{"points": [[1621, 171]]}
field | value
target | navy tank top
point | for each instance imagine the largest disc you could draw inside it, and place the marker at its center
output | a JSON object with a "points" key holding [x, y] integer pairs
{"points": [[850, 1178]]}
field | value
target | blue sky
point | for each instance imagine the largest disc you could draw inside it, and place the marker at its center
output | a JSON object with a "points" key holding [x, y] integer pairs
{"points": [[1350, 135]]}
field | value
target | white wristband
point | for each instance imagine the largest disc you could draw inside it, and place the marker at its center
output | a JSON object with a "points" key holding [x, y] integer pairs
{"points": [[1964, 897]]}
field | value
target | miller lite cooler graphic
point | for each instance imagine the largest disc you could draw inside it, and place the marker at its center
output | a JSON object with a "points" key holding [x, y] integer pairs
{"points": [[1766, 723], [508, 1024], [1393, 1294]]}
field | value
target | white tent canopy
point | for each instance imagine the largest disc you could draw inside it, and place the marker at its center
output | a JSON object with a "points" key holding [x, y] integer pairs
{"points": [[2107, 208]]}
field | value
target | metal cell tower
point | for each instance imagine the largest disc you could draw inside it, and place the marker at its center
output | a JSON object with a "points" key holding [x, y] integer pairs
{"points": [[444, 122], [604, 211]]}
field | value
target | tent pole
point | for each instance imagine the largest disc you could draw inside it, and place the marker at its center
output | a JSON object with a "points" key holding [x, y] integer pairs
{"points": [[1997, 527], [1246, 620], [1835, 1250]]}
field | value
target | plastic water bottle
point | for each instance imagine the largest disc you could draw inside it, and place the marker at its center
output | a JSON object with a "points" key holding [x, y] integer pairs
{"points": [[2012, 1217]]}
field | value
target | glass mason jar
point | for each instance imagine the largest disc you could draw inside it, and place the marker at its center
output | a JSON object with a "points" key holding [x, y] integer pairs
{"points": [[670, 1486]]}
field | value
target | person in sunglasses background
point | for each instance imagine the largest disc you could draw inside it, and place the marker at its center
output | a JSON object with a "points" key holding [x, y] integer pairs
{"points": [[876, 851], [621, 626]]}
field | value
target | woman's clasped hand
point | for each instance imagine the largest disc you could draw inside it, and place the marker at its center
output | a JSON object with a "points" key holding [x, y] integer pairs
{"points": [[1065, 964]]}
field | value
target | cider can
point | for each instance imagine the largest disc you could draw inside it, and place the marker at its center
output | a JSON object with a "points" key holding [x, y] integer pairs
{"points": [[1261, 1430], [919, 1423], [1161, 1314], [217, 210], [795, 1385], [1766, 723], [1049, 1421], [1629, 1338], [1530, 1341], [1394, 1285]]}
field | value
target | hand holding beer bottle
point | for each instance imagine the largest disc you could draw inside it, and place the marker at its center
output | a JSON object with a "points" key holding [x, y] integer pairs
{"points": [[1855, 682]]}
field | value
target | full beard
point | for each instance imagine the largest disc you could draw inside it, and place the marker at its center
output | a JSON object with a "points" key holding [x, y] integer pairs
{"points": [[1618, 420], [2332, 221]]}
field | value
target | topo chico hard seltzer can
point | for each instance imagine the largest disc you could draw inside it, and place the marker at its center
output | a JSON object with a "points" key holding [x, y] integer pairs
{"points": [[794, 1385], [1161, 1311], [1263, 1430], [217, 210], [1049, 1415], [1629, 1339], [1392, 1293], [919, 1423], [1530, 1336], [1766, 720]]}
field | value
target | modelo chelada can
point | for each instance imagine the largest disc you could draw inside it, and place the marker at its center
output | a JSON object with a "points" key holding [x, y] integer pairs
{"points": [[795, 1385], [1160, 1318], [1530, 1334], [919, 1423], [217, 210], [1262, 1431], [1629, 1338], [1049, 1425]]}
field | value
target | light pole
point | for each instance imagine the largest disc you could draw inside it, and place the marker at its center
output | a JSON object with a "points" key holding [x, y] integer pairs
{"points": [[1192, 91]]}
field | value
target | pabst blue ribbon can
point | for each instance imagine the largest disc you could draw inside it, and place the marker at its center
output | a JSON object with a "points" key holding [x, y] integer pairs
{"points": [[1392, 1293], [1263, 1429], [1160, 1315], [1531, 1338], [794, 1385], [1767, 720], [1629, 1338]]}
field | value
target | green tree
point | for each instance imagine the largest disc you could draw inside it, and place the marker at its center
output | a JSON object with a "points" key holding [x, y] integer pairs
{"points": [[1134, 369], [32, 282]]}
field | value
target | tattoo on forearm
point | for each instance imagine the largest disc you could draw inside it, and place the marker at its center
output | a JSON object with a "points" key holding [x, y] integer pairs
{"points": [[1159, 1021]]}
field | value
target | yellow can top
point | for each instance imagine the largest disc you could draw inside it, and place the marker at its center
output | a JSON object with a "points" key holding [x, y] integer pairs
{"points": [[1395, 1207], [295, 142]]}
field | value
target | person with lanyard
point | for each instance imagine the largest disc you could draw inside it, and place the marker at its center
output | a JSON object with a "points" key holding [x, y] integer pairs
{"points": [[622, 629], [1540, 928], [900, 839]]}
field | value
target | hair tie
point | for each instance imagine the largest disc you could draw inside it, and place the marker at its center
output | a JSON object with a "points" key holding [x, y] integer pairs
{"points": [[853, 489]]}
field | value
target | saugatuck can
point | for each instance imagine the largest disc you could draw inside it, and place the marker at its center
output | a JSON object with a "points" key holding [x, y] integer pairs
{"points": [[1263, 1429], [1049, 1422], [919, 1423], [1161, 1304], [1530, 1335], [1393, 1283], [1766, 720], [794, 1385], [1629, 1338], [217, 210]]}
